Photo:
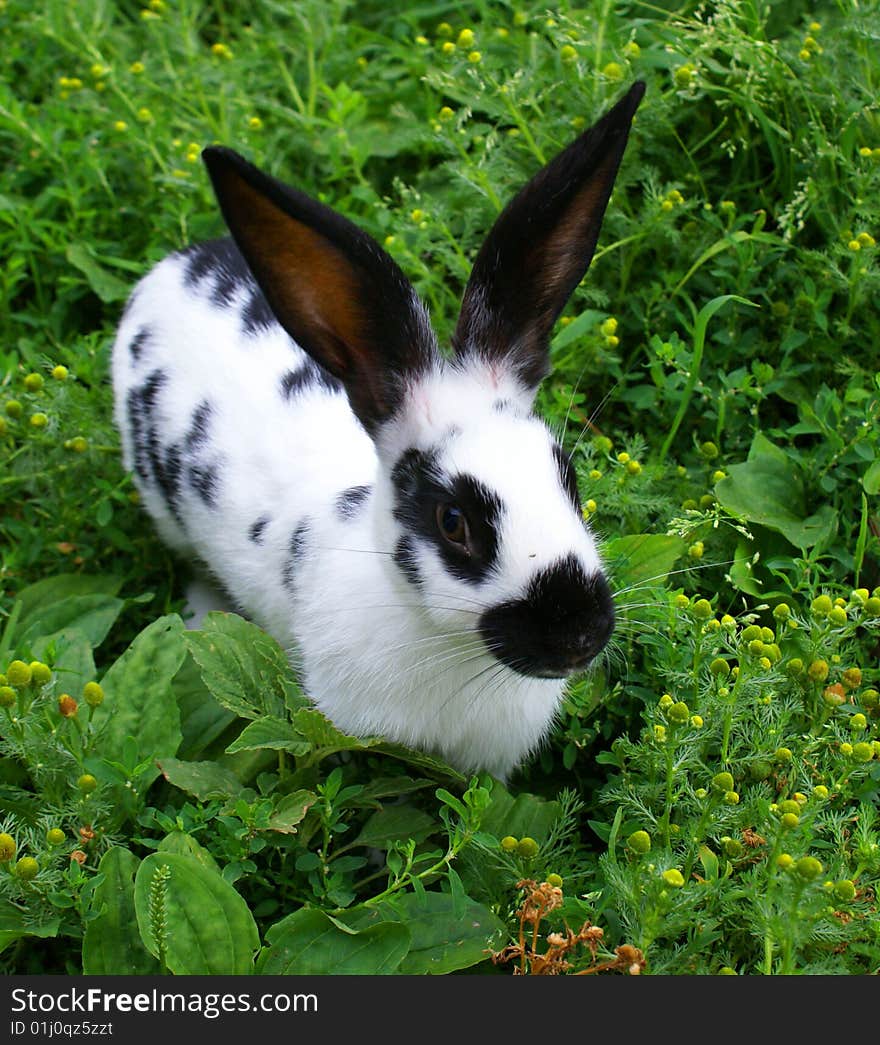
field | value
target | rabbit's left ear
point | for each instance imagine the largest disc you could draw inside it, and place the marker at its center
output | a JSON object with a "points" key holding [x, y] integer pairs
{"points": [[330, 285], [540, 247]]}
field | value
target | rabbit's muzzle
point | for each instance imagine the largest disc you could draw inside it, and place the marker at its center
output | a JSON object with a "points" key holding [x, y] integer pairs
{"points": [[558, 627]]}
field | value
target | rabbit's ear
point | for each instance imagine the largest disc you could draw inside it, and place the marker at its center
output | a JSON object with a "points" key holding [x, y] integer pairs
{"points": [[331, 286], [540, 247]]}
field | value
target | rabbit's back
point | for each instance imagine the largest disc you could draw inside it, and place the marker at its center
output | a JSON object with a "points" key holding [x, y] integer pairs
{"points": [[232, 432]]}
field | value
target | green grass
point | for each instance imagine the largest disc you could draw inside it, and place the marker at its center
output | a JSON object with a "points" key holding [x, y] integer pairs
{"points": [[710, 796]]}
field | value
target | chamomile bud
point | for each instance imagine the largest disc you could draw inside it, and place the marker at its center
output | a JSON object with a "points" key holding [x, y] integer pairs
{"points": [[639, 842], [27, 869]]}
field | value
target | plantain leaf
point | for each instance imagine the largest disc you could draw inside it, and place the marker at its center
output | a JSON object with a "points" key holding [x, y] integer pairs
{"points": [[186, 845], [112, 945], [768, 488], [525, 816], [310, 942], [45, 593], [193, 918], [92, 615], [15, 924], [447, 932], [138, 699]]}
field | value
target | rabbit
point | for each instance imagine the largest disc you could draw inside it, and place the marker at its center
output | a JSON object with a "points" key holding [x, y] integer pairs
{"points": [[395, 516]]}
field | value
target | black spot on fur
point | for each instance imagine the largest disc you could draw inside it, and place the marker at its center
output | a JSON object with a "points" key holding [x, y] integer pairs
{"points": [[197, 435], [503, 406], [135, 424], [203, 479], [166, 464], [295, 549], [349, 502], [419, 487], [168, 468], [307, 376], [154, 462], [219, 263], [567, 476], [557, 627], [256, 315], [150, 391], [256, 532], [404, 557], [147, 398], [139, 342]]}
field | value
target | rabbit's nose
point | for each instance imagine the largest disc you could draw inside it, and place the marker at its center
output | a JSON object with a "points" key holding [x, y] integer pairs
{"points": [[561, 623]]}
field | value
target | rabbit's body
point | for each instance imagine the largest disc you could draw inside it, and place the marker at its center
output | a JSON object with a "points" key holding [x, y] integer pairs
{"points": [[398, 520], [233, 433]]}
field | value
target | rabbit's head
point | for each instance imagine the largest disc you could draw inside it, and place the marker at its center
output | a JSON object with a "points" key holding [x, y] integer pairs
{"points": [[482, 522]]}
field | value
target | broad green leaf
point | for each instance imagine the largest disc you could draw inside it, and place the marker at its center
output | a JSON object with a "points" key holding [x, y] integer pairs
{"points": [[50, 590], [586, 321], [385, 138], [205, 780], [16, 924], [241, 665], [448, 933], [112, 945], [396, 823], [871, 478], [269, 732], [768, 489], [92, 615], [70, 654], [15, 801], [420, 760], [638, 561], [741, 570], [525, 816], [310, 942], [290, 810], [138, 698], [396, 785], [322, 735], [184, 844], [208, 928], [202, 719], [108, 287]]}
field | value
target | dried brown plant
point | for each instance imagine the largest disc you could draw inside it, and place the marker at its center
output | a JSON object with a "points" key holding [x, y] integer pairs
{"points": [[539, 900]]}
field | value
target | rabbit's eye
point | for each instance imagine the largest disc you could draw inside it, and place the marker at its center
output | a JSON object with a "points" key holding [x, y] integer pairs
{"points": [[452, 523]]}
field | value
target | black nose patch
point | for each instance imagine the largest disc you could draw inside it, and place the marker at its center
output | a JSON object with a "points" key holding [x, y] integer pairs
{"points": [[561, 623]]}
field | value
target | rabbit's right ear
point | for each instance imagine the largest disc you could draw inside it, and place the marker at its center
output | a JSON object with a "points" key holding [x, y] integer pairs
{"points": [[338, 294], [539, 249]]}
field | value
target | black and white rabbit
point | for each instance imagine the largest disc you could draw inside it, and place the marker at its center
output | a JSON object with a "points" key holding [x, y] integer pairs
{"points": [[397, 518]]}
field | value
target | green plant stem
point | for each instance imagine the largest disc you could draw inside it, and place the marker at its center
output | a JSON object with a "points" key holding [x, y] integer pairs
{"points": [[701, 323], [667, 808]]}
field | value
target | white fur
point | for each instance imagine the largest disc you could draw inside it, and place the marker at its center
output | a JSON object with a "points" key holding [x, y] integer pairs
{"points": [[378, 655]]}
